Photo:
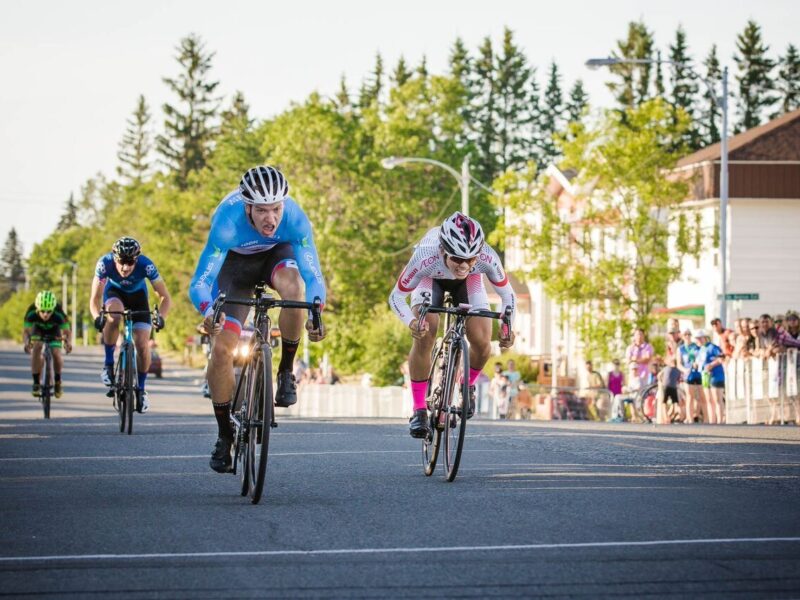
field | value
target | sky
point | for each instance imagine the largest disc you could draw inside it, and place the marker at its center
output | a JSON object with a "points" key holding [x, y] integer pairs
{"points": [[71, 72]]}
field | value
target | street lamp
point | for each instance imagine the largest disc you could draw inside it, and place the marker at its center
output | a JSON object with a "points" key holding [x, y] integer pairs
{"points": [[462, 178], [721, 101]]}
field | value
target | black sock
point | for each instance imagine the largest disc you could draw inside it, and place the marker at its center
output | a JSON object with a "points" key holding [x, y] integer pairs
{"points": [[223, 414], [288, 350], [58, 377], [35, 379]]}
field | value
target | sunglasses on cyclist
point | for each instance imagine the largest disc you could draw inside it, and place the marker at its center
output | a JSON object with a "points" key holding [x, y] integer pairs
{"points": [[460, 261], [45, 312], [127, 261]]}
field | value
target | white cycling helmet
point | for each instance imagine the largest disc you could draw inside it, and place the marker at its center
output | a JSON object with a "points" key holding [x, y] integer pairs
{"points": [[263, 185], [461, 236]]}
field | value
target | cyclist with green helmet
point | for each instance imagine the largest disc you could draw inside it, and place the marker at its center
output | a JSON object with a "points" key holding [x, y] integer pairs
{"points": [[46, 322]]}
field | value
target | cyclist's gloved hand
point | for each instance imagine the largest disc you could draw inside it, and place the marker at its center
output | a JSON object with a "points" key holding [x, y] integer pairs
{"points": [[158, 323], [100, 322]]}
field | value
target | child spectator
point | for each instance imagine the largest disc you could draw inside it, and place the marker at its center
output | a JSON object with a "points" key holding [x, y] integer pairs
{"points": [[668, 380]]}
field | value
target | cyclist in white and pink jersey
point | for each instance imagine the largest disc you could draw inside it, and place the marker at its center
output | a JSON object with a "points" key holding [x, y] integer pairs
{"points": [[451, 258]]}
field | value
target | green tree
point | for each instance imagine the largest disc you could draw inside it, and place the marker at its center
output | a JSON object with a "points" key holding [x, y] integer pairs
{"points": [[788, 84], [461, 69], [710, 112], [134, 149], [634, 85], [756, 85], [12, 265], [684, 87], [623, 167], [69, 218], [188, 126]]}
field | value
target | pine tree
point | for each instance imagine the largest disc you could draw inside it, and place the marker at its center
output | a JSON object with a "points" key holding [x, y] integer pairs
{"points": [[512, 74], [69, 219], [684, 87], [461, 68], [401, 74], [11, 262], [578, 102], [658, 80], [755, 77], [136, 145], [710, 112], [236, 118], [422, 68], [342, 98], [189, 127], [635, 85], [371, 89], [484, 111], [553, 112], [789, 81]]}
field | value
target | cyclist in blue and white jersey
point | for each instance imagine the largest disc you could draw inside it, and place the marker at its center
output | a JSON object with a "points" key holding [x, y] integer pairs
{"points": [[258, 234], [119, 284], [451, 258]]}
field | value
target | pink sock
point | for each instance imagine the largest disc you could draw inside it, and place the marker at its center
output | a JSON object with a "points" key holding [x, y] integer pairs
{"points": [[418, 391], [473, 375]]}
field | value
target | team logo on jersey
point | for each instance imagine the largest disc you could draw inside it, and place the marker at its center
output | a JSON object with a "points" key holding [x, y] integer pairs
{"points": [[150, 270], [100, 269], [304, 242], [217, 252]]}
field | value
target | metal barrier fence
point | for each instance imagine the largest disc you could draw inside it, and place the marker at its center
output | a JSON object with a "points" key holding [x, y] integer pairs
{"points": [[762, 391]]}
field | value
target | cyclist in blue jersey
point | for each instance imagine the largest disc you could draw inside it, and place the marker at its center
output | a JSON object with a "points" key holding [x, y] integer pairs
{"points": [[258, 234], [119, 284]]}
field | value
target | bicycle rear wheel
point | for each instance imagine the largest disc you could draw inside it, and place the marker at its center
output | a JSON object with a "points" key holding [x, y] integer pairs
{"points": [[456, 423], [47, 375], [259, 421], [431, 444]]}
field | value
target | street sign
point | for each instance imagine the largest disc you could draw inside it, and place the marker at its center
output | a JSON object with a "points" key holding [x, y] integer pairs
{"points": [[738, 296]]}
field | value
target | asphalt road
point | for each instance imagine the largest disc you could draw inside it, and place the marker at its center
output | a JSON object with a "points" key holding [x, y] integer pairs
{"points": [[537, 510]]}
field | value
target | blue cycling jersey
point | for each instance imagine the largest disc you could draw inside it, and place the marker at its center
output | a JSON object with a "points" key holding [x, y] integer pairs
{"points": [[144, 269], [231, 230]]}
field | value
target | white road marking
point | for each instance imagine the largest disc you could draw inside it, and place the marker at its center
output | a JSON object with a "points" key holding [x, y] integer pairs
{"points": [[401, 550]]}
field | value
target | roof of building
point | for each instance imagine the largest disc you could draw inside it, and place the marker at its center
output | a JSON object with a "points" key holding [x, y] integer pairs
{"points": [[779, 139]]}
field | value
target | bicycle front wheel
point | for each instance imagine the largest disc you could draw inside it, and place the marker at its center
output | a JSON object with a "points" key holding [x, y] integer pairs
{"points": [[129, 390], [259, 421], [47, 375], [431, 444], [456, 413]]}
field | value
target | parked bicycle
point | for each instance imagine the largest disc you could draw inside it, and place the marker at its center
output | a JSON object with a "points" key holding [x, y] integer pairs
{"points": [[252, 409], [125, 386], [450, 368]]}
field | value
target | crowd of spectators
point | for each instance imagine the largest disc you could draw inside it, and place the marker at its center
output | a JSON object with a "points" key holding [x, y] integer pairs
{"points": [[694, 363]]}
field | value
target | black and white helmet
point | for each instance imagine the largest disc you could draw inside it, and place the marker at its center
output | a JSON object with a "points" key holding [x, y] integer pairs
{"points": [[461, 236], [263, 185], [126, 248]]}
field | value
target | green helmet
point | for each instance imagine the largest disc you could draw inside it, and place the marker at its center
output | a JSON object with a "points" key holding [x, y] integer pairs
{"points": [[45, 301]]}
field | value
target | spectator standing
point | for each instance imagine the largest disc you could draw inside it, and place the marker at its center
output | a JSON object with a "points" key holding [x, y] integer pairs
{"points": [[638, 355], [616, 381], [791, 339], [669, 377], [744, 344], [495, 388], [514, 378], [692, 379], [709, 361], [725, 337], [595, 407]]}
